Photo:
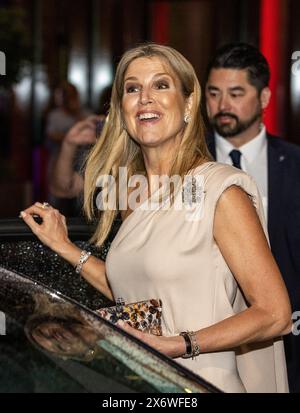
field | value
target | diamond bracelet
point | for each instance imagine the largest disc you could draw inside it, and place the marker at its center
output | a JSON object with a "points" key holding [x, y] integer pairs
{"points": [[84, 256]]}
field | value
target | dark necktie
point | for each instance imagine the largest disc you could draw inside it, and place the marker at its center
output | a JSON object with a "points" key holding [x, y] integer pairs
{"points": [[235, 155]]}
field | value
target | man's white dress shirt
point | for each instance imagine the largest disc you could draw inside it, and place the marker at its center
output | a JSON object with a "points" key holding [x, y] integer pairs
{"points": [[254, 160]]}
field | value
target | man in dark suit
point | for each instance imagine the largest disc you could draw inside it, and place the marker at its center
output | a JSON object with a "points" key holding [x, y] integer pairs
{"points": [[237, 93]]}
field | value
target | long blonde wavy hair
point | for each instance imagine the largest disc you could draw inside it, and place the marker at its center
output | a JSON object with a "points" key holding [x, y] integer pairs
{"points": [[115, 148]]}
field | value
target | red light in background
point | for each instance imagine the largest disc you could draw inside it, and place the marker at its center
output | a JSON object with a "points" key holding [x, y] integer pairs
{"points": [[270, 47], [161, 22]]}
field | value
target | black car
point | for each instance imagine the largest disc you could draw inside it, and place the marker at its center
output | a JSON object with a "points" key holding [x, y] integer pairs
{"points": [[52, 340]]}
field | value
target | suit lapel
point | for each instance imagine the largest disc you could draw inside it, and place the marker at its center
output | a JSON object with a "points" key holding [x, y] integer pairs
{"points": [[211, 144], [276, 163]]}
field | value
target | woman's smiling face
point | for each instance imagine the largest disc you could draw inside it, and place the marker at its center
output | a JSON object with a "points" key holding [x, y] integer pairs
{"points": [[153, 103]]}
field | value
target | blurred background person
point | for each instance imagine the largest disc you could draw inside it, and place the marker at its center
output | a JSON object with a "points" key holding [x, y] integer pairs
{"points": [[66, 179], [60, 120], [64, 115], [237, 94]]}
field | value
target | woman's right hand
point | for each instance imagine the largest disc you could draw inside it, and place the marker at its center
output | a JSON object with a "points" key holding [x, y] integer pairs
{"points": [[53, 230]]}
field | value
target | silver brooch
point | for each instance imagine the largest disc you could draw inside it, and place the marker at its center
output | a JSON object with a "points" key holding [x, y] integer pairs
{"points": [[192, 191]]}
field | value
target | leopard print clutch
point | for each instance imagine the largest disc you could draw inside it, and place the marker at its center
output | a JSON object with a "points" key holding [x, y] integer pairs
{"points": [[143, 315]]}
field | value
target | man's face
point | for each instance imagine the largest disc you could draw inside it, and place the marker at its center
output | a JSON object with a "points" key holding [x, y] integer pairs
{"points": [[233, 104]]}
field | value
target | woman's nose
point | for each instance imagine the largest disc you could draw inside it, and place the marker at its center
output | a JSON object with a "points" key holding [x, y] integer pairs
{"points": [[146, 97]]}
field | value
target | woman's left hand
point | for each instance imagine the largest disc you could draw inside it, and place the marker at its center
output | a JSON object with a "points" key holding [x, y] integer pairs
{"points": [[173, 346], [52, 231]]}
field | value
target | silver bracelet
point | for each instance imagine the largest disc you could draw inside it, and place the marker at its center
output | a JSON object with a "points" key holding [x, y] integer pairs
{"points": [[195, 346], [84, 256]]}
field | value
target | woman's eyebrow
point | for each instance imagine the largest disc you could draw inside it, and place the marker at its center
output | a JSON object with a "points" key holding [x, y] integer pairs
{"points": [[156, 75], [162, 74], [130, 78]]}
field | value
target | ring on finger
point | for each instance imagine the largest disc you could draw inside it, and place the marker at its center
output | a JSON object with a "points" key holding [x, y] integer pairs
{"points": [[45, 205]]}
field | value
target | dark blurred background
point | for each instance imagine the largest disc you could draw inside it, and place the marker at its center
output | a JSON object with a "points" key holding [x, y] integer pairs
{"points": [[50, 41]]}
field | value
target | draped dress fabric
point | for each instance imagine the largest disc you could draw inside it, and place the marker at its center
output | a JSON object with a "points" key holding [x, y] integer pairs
{"points": [[162, 254]]}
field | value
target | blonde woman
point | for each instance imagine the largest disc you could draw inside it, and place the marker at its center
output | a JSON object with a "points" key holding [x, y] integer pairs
{"points": [[225, 305]]}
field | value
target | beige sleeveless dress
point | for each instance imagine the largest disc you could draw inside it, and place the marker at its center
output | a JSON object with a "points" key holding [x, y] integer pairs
{"points": [[165, 254]]}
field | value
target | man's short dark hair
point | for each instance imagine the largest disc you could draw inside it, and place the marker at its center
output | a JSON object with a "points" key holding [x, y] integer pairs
{"points": [[243, 56]]}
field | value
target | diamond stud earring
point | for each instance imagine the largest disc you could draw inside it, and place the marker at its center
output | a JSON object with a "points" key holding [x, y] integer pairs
{"points": [[187, 118]]}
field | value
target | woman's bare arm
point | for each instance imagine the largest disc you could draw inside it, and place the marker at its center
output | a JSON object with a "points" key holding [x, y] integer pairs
{"points": [[53, 233]]}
